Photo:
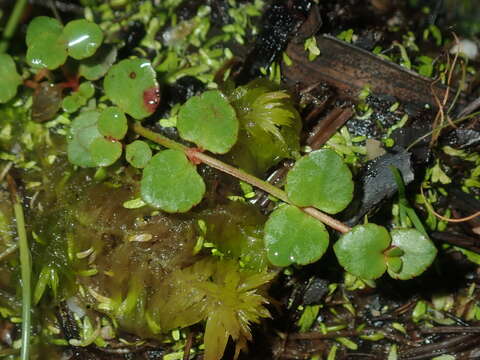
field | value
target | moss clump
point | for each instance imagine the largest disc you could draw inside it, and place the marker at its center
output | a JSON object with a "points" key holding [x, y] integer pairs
{"points": [[146, 270], [269, 126]]}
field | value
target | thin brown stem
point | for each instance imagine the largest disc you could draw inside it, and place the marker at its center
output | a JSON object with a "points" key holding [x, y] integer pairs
{"points": [[451, 329], [237, 173], [441, 217]]}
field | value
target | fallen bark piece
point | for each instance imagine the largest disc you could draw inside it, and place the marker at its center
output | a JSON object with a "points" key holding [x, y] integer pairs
{"points": [[349, 69], [376, 183]]}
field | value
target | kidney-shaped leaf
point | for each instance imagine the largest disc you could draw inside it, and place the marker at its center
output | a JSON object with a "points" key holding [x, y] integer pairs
{"points": [[360, 251], [291, 236], [170, 182], [418, 253], [322, 180], [10, 78], [83, 38], [209, 121], [105, 151], [132, 85], [47, 47]]}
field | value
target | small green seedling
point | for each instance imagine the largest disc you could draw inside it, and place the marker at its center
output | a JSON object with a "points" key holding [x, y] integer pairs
{"points": [[209, 121], [10, 78], [291, 236], [320, 179], [131, 84]]}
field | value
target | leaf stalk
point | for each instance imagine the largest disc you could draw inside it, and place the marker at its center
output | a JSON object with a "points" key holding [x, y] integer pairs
{"points": [[237, 173]]}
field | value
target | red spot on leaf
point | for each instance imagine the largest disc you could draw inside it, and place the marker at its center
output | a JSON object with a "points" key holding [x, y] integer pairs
{"points": [[151, 99]]}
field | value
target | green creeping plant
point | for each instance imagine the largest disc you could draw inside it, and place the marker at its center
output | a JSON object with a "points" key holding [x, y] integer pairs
{"points": [[252, 126]]}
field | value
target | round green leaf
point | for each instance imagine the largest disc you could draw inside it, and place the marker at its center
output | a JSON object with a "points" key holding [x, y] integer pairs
{"points": [[170, 182], [83, 38], [132, 86], [10, 78], [209, 121], [50, 53], [86, 89], [96, 66], [291, 236], [42, 26], [322, 180], [360, 251], [47, 47], [419, 253], [105, 151], [113, 123], [83, 132], [72, 103], [138, 153]]}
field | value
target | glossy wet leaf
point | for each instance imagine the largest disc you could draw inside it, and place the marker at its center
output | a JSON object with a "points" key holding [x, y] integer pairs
{"points": [[79, 98], [46, 44], [83, 38], [171, 183], [131, 85], [113, 123], [360, 251], [291, 236], [83, 132], [96, 66], [209, 121], [322, 180], [10, 78], [419, 253], [138, 153], [105, 151]]}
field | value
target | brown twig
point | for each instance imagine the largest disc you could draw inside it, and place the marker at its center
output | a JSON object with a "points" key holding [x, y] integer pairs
{"points": [[451, 329]]}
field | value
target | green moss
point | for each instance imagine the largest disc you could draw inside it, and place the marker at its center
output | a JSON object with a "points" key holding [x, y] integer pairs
{"points": [[147, 276], [269, 126]]}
